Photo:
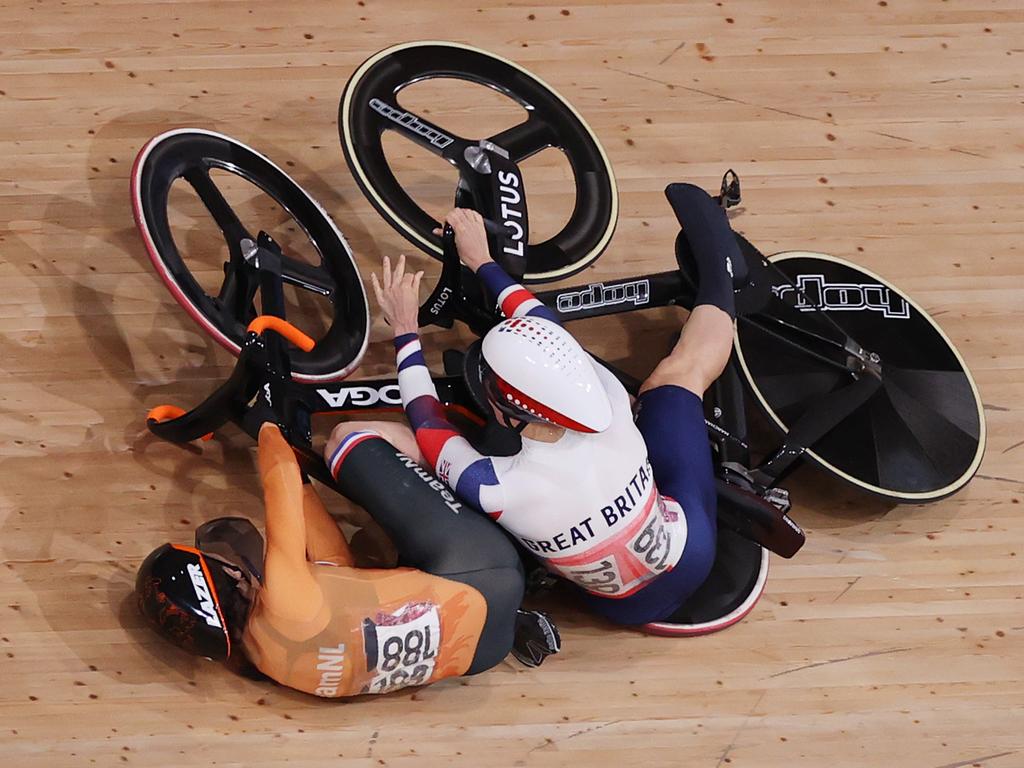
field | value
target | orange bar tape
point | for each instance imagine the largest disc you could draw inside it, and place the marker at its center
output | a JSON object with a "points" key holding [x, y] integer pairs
{"points": [[283, 327]]}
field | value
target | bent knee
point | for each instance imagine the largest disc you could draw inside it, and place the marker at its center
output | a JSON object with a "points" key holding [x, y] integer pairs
{"points": [[398, 435], [346, 428], [502, 589], [677, 374]]}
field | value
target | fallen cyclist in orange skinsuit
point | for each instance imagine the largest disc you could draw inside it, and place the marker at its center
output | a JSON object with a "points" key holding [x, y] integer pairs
{"points": [[305, 616]]}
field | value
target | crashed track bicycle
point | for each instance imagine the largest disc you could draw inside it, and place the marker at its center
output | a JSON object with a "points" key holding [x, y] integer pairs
{"points": [[854, 376]]}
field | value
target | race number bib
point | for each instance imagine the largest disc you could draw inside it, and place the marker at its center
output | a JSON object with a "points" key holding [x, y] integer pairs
{"points": [[644, 550], [402, 647]]}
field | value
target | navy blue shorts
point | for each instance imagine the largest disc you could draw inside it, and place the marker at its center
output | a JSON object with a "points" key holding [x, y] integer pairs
{"points": [[671, 420]]}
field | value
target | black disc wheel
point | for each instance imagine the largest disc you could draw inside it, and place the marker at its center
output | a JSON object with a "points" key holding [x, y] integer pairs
{"points": [[221, 292], [370, 106], [920, 435]]}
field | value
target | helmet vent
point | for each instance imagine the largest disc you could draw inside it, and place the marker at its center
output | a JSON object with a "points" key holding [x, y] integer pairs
{"points": [[536, 371], [560, 350]]}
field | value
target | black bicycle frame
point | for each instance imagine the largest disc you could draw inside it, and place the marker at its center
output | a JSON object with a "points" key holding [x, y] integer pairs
{"points": [[261, 389]]}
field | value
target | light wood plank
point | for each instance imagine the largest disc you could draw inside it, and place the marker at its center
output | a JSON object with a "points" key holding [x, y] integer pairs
{"points": [[885, 132]]}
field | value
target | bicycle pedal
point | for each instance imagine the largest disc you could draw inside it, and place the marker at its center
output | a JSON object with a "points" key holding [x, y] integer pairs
{"points": [[778, 498], [536, 637], [730, 191]]}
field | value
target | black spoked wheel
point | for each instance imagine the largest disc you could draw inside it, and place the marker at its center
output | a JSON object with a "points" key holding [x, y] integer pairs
{"points": [[222, 293], [370, 105], [920, 435]]}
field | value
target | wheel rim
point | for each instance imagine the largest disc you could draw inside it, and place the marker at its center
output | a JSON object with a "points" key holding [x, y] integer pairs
{"points": [[191, 154], [921, 436], [552, 123]]}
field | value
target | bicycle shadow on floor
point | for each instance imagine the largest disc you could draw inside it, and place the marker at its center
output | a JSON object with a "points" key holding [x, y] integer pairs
{"points": [[167, 359]]}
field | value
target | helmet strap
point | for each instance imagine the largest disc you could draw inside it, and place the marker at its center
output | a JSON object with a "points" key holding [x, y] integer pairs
{"points": [[510, 422]]}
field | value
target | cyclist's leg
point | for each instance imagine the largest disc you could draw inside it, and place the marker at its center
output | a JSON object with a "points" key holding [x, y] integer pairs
{"points": [[435, 533], [397, 433], [671, 420], [670, 416], [705, 343], [700, 355]]}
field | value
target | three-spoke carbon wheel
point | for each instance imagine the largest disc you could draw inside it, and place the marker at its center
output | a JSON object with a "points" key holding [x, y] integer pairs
{"points": [[370, 106], [920, 436], [329, 278]]}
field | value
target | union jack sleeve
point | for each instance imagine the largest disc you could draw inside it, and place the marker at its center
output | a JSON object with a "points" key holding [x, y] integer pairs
{"points": [[510, 297], [467, 472]]}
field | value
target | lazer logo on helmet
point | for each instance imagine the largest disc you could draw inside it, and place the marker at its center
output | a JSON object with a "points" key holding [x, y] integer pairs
{"points": [[362, 397], [206, 606], [412, 123], [815, 292], [509, 186], [595, 295]]}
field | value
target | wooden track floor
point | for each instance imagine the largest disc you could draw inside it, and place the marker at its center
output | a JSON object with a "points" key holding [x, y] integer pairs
{"points": [[886, 131]]}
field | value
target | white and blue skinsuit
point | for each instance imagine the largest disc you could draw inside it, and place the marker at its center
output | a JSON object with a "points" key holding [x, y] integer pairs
{"points": [[627, 514]]}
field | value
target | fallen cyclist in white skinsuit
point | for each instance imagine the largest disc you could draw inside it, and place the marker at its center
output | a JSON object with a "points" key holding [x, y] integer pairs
{"points": [[622, 506]]}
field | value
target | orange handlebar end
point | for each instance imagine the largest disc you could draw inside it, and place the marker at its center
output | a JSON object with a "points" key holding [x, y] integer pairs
{"points": [[284, 328], [167, 412]]}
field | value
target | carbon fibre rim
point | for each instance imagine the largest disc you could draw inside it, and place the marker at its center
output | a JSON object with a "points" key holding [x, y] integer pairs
{"points": [[191, 154], [921, 436], [369, 106]]}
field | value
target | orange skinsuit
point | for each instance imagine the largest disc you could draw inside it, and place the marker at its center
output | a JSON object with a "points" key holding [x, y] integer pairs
{"points": [[327, 628]]}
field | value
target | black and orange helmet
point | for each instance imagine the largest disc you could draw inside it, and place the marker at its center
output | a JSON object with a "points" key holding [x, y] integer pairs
{"points": [[179, 591]]}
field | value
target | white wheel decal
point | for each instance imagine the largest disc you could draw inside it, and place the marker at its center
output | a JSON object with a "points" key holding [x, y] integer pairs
{"points": [[414, 236]]}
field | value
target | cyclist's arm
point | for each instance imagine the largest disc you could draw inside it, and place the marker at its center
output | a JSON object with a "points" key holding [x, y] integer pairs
{"points": [[467, 472], [289, 587], [510, 297], [324, 540]]}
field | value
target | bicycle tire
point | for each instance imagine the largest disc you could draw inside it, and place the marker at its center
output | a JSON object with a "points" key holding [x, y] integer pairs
{"points": [[592, 223], [192, 151]]}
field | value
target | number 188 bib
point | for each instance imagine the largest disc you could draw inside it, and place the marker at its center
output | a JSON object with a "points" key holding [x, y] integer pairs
{"points": [[401, 647]]}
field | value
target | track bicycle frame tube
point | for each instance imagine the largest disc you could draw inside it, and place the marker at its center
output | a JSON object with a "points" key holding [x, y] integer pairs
{"points": [[612, 297]]}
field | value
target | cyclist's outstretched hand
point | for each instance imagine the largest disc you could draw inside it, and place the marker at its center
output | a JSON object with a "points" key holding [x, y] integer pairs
{"points": [[398, 294], [470, 237]]}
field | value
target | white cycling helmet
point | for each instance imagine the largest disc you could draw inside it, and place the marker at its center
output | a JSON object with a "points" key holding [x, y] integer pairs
{"points": [[534, 370]]}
